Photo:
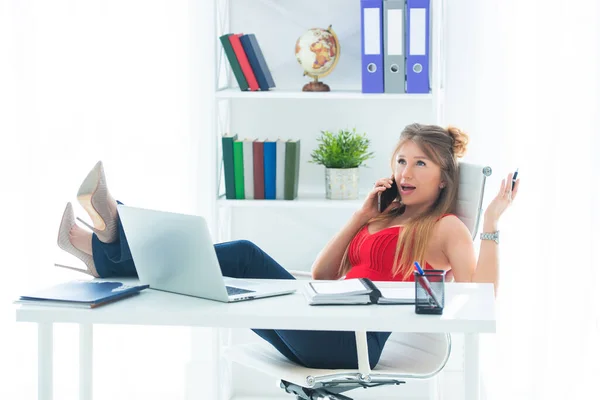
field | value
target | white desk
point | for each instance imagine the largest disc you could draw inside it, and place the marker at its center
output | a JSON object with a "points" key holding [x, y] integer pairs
{"points": [[469, 310]]}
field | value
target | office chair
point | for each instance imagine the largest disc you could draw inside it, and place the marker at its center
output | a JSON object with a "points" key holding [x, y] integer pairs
{"points": [[405, 356]]}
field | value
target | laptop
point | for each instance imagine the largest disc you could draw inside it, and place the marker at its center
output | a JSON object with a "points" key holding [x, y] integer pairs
{"points": [[174, 253]]}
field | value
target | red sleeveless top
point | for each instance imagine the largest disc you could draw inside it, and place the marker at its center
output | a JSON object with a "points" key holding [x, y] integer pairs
{"points": [[372, 255]]}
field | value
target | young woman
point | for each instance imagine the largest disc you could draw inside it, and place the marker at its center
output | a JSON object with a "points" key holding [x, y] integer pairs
{"points": [[418, 225]]}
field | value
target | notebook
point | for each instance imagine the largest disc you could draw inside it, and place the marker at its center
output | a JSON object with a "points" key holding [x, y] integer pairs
{"points": [[81, 294], [355, 291]]}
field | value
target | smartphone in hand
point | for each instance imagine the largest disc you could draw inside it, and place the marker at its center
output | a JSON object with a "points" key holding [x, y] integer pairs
{"points": [[514, 179], [385, 198]]}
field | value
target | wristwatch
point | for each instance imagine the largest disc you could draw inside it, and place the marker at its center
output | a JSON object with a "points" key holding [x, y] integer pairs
{"points": [[495, 236]]}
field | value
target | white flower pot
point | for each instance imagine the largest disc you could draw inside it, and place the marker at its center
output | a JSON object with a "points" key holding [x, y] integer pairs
{"points": [[341, 183]]}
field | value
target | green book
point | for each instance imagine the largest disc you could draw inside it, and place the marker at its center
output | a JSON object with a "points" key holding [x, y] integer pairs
{"points": [[238, 166], [228, 168], [292, 169], [233, 61]]}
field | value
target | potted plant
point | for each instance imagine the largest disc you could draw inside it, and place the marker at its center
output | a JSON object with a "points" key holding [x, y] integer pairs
{"points": [[341, 153]]}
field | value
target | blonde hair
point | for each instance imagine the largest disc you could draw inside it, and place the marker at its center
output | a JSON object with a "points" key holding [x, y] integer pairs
{"points": [[443, 147]]}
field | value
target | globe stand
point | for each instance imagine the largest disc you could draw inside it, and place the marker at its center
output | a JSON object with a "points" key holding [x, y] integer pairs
{"points": [[316, 86]]}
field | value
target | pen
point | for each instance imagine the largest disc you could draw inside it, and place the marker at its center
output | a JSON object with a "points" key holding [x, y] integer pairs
{"points": [[418, 268], [514, 179], [426, 284]]}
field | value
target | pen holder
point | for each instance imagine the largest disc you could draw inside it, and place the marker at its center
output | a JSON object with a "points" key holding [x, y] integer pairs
{"points": [[430, 292]]}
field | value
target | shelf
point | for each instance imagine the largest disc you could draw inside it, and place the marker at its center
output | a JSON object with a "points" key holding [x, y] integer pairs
{"points": [[305, 200], [236, 93]]}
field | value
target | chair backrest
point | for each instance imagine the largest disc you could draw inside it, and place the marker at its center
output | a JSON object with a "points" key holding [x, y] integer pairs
{"points": [[433, 349], [470, 194]]}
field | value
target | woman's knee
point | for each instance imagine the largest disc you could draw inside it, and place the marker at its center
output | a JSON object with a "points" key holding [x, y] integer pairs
{"points": [[238, 246], [246, 245], [247, 249]]}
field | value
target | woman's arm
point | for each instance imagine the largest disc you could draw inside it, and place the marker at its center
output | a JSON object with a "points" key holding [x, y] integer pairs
{"points": [[457, 245], [488, 262], [459, 249], [327, 264]]}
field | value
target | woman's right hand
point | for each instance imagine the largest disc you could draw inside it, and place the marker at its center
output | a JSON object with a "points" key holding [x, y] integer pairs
{"points": [[369, 208]]}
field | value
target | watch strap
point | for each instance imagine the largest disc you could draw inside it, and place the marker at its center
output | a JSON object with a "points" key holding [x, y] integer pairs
{"points": [[495, 236]]}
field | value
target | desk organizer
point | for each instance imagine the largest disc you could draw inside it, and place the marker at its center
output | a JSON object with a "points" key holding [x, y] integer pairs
{"points": [[430, 292]]}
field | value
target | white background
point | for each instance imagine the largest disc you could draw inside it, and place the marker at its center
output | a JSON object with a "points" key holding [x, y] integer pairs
{"points": [[83, 80]]}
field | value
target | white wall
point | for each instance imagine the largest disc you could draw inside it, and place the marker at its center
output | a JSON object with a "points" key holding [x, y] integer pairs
{"points": [[83, 81]]}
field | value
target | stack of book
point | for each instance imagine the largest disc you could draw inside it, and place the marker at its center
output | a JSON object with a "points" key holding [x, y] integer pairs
{"points": [[81, 294], [247, 62], [260, 169]]}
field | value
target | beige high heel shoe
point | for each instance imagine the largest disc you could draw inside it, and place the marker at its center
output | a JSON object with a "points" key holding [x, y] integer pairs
{"points": [[66, 223], [94, 197]]}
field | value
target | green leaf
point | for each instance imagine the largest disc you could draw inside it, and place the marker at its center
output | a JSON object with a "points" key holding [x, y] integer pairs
{"points": [[346, 149]]}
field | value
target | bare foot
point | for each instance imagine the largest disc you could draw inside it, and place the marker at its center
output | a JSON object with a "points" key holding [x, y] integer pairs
{"points": [[81, 239]]}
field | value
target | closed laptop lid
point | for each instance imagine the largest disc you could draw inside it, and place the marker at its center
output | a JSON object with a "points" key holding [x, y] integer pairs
{"points": [[173, 252]]}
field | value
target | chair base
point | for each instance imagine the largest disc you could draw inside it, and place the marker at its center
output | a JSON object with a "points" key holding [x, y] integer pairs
{"points": [[331, 392]]}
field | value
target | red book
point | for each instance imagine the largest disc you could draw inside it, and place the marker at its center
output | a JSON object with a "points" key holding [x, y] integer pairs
{"points": [[243, 60], [259, 170]]}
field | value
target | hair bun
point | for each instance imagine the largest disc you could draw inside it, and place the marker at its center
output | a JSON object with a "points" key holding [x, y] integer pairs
{"points": [[460, 140]]}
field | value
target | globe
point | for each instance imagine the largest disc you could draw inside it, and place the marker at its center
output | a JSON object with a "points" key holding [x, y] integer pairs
{"points": [[317, 51]]}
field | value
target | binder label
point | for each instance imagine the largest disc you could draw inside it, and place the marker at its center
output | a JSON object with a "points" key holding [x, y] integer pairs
{"points": [[418, 31], [395, 32], [372, 31]]}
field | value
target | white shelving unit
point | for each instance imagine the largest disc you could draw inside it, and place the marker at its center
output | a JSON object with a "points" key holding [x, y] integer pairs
{"points": [[293, 231], [307, 200], [228, 99], [235, 93]]}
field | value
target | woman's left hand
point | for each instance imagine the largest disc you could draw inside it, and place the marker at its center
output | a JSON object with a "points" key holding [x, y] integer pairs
{"points": [[503, 199]]}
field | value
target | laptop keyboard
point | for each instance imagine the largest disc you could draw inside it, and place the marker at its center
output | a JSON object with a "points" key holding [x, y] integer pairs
{"points": [[231, 291]]}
